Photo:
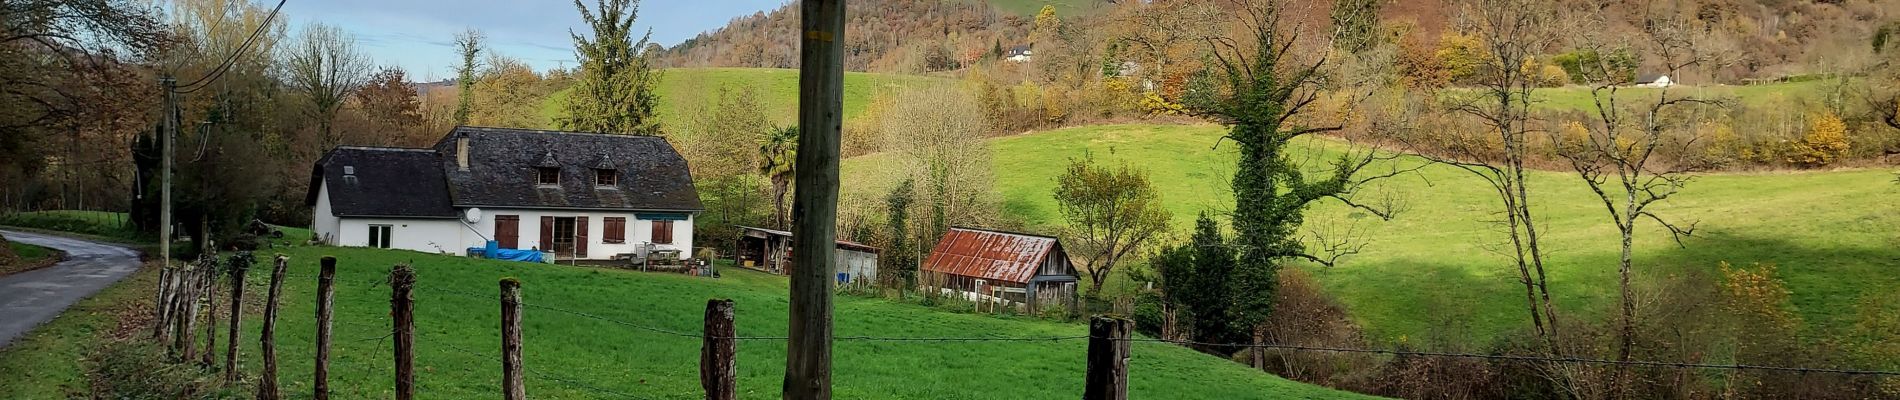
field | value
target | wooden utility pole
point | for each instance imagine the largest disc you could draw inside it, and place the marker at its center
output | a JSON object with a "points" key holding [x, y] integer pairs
{"points": [[1108, 359], [402, 310], [170, 86], [718, 373], [326, 296], [513, 385], [815, 202], [267, 382]]}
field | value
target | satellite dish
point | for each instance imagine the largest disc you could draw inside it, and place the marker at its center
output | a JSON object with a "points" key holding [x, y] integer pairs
{"points": [[472, 215]]}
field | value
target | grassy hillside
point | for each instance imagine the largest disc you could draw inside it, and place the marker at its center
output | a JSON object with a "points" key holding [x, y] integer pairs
{"points": [[685, 90], [1432, 270], [456, 312], [1578, 97]]}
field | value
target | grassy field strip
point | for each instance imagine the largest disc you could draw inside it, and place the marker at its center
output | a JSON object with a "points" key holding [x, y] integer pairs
{"points": [[454, 320], [1835, 235]]}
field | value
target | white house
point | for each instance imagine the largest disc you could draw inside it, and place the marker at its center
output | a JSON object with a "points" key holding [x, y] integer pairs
{"points": [[1654, 81], [1020, 54], [579, 195]]}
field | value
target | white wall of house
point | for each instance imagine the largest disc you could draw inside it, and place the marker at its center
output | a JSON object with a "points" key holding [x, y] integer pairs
{"points": [[323, 221], [428, 235], [452, 236], [639, 231]]}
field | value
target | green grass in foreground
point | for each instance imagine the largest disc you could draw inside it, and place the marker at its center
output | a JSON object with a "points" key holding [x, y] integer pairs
{"points": [[1434, 270], [51, 361], [655, 365], [684, 91]]}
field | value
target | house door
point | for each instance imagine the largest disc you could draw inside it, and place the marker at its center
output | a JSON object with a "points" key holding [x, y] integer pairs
{"points": [[508, 231], [564, 243]]}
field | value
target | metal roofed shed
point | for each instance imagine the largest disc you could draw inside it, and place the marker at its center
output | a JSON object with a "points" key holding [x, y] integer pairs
{"points": [[998, 266], [771, 250]]}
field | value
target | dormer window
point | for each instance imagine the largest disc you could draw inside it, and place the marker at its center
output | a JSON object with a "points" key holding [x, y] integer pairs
{"points": [[547, 176], [606, 177]]}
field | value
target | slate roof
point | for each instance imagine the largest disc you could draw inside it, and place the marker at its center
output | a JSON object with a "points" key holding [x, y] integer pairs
{"points": [[992, 255], [381, 181], [502, 162]]}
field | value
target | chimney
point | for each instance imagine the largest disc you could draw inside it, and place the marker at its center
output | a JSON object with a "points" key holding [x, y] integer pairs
{"points": [[461, 151]]}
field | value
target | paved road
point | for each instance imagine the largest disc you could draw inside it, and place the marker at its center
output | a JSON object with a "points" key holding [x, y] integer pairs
{"points": [[31, 298]]}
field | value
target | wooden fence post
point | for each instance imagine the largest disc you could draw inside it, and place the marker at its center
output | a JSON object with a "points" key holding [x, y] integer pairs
{"points": [[1108, 359], [240, 264], [512, 383], [210, 284], [718, 372], [159, 306], [267, 383], [326, 295], [402, 309]]}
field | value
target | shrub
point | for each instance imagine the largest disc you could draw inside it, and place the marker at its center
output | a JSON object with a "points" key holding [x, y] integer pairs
{"points": [[1825, 142]]}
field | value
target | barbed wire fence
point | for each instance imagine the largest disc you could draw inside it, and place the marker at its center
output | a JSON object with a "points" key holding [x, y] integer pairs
{"points": [[1109, 338]]}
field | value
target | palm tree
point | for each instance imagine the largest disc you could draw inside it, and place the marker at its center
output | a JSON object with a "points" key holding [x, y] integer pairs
{"points": [[778, 151]]}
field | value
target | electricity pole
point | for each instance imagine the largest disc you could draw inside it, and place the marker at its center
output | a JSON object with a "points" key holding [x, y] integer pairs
{"points": [[165, 171], [815, 199]]}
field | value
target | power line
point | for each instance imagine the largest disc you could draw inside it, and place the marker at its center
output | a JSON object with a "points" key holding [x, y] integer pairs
{"points": [[232, 59]]}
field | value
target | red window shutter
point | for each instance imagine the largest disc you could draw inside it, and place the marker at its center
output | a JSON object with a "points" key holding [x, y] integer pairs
{"points": [[508, 231], [580, 237], [613, 230], [547, 234], [662, 232]]}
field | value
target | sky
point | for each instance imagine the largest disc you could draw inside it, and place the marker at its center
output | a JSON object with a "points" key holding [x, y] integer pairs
{"points": [[418, 35]]}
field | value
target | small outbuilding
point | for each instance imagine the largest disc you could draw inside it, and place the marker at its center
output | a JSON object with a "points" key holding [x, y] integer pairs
{"points": [[771, 250], [997, 266], [1654, 81]]}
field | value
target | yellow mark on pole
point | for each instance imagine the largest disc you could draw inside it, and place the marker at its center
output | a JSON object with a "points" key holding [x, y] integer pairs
{"points": [[818, 35]]}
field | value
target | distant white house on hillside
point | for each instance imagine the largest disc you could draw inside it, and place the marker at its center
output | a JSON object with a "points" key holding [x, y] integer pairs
{"points": [[1654, 81], [1021, 53], [579, 195]]}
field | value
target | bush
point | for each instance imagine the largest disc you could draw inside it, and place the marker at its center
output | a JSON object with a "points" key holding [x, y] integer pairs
{"points": [[1825, 142]]}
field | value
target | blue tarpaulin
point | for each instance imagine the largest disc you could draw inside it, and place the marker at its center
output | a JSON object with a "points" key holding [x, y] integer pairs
{"points": [[493, 251]]}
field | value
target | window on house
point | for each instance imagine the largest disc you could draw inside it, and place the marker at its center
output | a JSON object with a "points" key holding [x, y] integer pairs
{"points": [[379, 236], [605, 177], [613, 230], [547, 176], [662, 232]]}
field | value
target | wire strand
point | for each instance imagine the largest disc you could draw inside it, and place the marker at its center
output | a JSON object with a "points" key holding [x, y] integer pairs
{"points": [[232, 59], [1566, 360]]}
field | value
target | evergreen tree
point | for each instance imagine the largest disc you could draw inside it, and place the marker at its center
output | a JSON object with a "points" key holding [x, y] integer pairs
{"points": [[469, 45], [614, 92], [1258, 94], [900, 257]]}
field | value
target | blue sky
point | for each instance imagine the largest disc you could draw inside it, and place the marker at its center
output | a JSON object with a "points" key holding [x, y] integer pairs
{"points": [[417, 34]]}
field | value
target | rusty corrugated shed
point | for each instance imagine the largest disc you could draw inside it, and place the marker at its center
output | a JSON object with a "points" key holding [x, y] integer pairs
{"points": [[1000, 256]]}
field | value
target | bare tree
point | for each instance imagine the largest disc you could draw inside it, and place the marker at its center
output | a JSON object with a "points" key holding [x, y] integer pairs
{"points": [[1512, 31], [325, 67], [1623, 152]]}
